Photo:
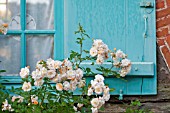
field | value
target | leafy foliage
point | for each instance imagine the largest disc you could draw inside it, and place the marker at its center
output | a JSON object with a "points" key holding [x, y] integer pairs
{"points": [[135, 107]]}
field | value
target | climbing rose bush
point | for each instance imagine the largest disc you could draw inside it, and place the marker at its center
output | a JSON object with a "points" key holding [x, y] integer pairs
{"points": [[50, 87]]}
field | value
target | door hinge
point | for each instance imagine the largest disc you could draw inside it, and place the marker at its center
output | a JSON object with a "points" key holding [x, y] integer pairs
{"points": [[146, 4]]}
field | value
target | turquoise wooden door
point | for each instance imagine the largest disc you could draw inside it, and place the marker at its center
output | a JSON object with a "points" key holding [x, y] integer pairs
{"points": [[121, 24]]}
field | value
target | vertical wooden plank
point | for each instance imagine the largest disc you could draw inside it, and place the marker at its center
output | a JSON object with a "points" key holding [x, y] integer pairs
{"points": [[58, 27], [134, 42], [150, 84], [117, 84], [23, 37]]}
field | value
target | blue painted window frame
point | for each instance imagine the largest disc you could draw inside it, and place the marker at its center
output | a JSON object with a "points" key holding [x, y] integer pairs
{"points": [[57, 32]]}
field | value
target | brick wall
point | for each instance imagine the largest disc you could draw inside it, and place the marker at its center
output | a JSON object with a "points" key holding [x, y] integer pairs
{"points": [[163, 28]]}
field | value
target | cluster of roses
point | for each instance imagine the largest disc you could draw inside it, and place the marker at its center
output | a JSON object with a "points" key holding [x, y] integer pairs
{"points": [[61, 73], [101, 50], [120, 61], [20, 99], [68, 79], [98, 87]]}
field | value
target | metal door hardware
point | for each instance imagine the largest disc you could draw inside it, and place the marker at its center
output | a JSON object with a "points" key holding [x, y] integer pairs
{"points": [[146, 4]]}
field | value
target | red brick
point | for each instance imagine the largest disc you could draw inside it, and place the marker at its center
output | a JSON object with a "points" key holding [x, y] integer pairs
{"points": [[168, 3], [163, 22], [160, 5], [160, 42], [168, 40], [166, 54], [163, 13], [163, 32]]}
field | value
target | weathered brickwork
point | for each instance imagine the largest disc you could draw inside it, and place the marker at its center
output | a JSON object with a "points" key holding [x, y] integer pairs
{"points": [[163, 28]]}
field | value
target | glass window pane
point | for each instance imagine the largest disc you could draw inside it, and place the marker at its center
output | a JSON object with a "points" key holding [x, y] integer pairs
{"points": [[40, 14], [10, 13], [10, 54], [39, 47]]}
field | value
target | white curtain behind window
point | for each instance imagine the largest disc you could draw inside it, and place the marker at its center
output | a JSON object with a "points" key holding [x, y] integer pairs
{"points": [[39, 47]]}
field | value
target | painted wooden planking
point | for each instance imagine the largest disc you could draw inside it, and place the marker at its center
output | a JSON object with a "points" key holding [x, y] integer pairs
{"points": [[134, 41], [10, 79], [145, 69], [134, 85], [149, 86], [100, 20]]}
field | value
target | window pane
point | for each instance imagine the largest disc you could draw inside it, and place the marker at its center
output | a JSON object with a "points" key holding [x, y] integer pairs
{"points": [[40, 14], [39, 47], [10, 13], [10, 54]]}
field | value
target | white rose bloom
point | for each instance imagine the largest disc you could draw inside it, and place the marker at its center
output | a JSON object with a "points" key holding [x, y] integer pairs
{"points": [[57, 78], [128, 68], [57, 64], [106, 90], [6, 106], [93, 51], [34, 98], [38, 65], [94, 83], [90, 92], [26, 86], [71, 74], [50, 63], [125, 71], [36, 75], [73, 85], [82, 83], [66, 85], [95, 102], [125, 62], [100, 60], [39, 82], [120, 54], [75, 108], [101, 84], [79, 74], [99, 78], [24, 72], [97, 43], [103, 49], [51, 73], [106, 97], [101, 102], [116, 62], [94, 110], [62, 76], [68, 64], [59, 86], [43, 71], [18, 97], [98, 89], [79, 105]]}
